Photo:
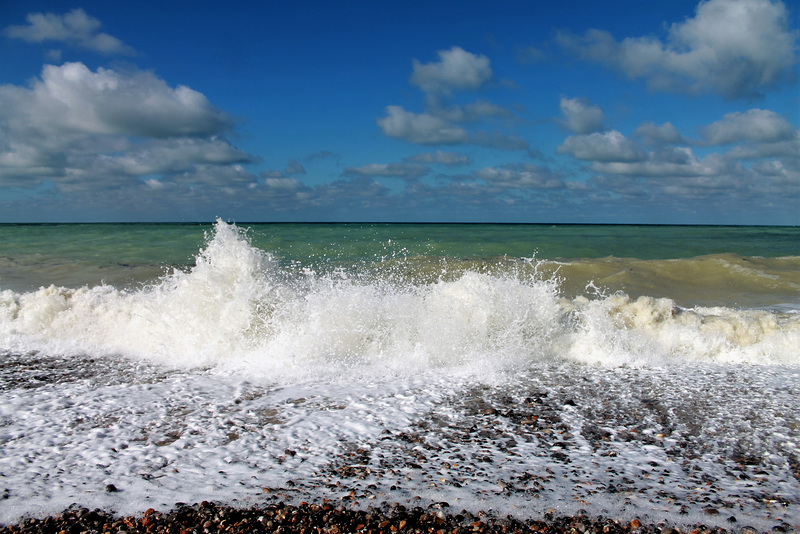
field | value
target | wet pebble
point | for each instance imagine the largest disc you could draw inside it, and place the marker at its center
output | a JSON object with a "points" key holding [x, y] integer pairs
{"points": [[325, 517]]}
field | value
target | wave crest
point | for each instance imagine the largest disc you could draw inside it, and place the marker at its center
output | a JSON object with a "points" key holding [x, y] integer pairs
{"points": [[237, 307]]}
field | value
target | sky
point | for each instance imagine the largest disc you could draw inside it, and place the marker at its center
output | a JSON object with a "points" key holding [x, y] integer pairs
{"points": [[577, 111]]}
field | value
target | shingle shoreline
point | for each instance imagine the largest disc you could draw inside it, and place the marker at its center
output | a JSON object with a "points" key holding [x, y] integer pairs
{"points": [[331, 518]]}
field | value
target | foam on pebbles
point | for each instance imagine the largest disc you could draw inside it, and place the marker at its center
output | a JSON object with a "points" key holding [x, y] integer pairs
{"points": [[706, 444]]}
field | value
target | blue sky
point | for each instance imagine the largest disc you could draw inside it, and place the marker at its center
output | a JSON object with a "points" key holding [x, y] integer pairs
{"points": [[574, 111]]}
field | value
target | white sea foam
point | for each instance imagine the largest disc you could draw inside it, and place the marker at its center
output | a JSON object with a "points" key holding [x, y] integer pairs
{"points": [[239, 308], [615, 441]]}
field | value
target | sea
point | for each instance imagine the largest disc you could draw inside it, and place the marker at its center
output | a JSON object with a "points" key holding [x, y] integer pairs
{"points": [[647, 372]]}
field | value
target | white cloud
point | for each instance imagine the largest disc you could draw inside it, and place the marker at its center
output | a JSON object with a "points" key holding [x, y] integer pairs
{"points": [[788, 149], [650, 134], [77, 127], [713, 180], [285, 184], [681, 162], [176, 155], [408, 171], [607, 146], [152, 183], [763, 167], [73, 28], [76, 101], [422, 128], [360, 191], [440, 123], [471, 112], [580, 116], [456, 69], [451, 159], [756, 125], [737, 48], [429, 129], [524, 176], [777, 169], [214, 175]]}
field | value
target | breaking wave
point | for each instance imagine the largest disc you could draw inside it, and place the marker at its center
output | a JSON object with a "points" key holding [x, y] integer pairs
{"points": [[238, 307]]}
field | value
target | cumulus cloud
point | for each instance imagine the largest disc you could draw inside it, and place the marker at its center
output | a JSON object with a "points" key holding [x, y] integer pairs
{"points": [[580, 116], [175, 155], [710, 184], [451, 159], [361, 191], [75, 28], [682, 162], [471, 112], [283, 183], [430, 129], [76, 126], [214, 175], [422, 128], [777, 169], [443, 122], [407, 171], [756, 125], [607, 146], [650, 134], [763, 166], [737, 48], [524, 176], [74, 100], [786, 149], [456, 69]]}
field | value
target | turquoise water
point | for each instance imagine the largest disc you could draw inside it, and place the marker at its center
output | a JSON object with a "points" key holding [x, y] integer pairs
{"points": [[706, 265], [177, 243]]}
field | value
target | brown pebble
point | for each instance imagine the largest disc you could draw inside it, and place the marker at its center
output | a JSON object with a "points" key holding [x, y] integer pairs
{"points": [[308, 518]]}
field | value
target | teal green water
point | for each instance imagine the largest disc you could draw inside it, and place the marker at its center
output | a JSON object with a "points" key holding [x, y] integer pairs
{"points": [[691, 264], [178, 243]]}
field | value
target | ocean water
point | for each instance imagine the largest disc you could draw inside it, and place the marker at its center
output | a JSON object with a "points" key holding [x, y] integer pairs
{"points": [[629, 371]]}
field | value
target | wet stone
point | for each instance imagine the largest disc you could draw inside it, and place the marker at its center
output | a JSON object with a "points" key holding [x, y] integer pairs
{"points": [[308, 518]]}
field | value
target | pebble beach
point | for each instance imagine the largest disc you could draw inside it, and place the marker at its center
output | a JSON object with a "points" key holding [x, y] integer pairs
{"points": [[333, 518]]}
